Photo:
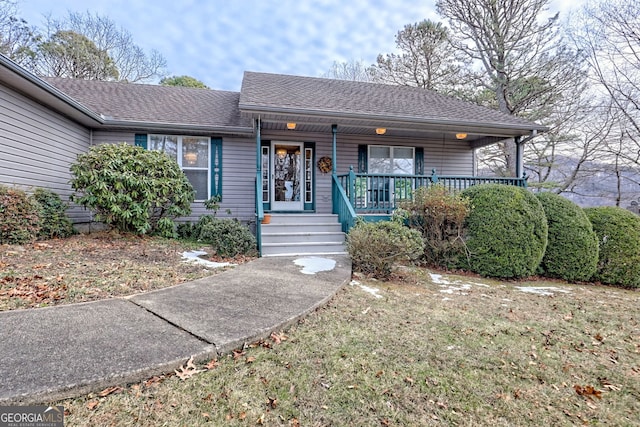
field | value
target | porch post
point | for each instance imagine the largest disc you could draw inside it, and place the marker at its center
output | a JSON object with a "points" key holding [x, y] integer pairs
{"points": [[334, 131], [258, 148], [519, 144]]}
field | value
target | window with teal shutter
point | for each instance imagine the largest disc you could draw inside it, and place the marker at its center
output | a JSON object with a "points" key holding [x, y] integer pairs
{"points": [[419, 160], [141, 140], [363, 162], [216, 167]]}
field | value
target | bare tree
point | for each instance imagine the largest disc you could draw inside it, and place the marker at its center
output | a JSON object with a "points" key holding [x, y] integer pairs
{"points": [[17, 38], [131, 61], [355, 70], [426, 59], [525, 63]]}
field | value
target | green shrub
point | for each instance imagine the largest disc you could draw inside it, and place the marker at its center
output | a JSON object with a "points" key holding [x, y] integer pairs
{"points": [[53, 217], [228, 237], [375, 247], [132, 189], [506, 231], [19, 219], [618, 232], [439, 215], [572, 249]]}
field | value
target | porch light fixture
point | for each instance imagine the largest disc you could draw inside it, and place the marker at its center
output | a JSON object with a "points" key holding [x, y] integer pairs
{"points": [[461, 135], [381, 131], [291, 126], [281, 152], [191, 158]]}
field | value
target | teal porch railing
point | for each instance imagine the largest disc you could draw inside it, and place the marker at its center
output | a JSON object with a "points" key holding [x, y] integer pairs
{"points": [[259, 211], [380, 193], [342, 205]]}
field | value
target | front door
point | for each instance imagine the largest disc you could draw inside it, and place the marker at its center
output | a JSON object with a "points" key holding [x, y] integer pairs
{"points": [[287, 180]]}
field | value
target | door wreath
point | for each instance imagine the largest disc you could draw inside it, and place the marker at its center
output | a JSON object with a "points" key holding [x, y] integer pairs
{"points": [[325, 164]]}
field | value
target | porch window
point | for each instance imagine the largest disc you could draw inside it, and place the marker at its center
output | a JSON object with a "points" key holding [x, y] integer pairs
{"points": [[392, 160], [193, 155]]}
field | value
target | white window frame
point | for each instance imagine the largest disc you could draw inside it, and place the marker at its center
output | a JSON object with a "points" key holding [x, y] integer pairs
{"points": [[391, 157], [179, 156]]}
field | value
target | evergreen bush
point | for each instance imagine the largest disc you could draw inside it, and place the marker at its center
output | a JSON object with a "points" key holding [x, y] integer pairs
{"points": [[132, 189], [228, 237], [53, 217], [572, 249], [618, 232], [375, 247], [19, 217], [506, 231]]}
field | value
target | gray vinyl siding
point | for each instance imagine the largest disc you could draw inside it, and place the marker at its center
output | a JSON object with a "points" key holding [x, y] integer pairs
{"points": [[37, 147], [113, 137]]}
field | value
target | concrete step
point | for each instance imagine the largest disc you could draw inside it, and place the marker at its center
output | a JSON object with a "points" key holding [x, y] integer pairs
{"points": [[306, 248], [303, 236]]}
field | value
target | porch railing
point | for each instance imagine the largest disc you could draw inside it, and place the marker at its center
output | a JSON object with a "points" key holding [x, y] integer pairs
{"points": [[342, 206], [380, 193], [259, 212]]}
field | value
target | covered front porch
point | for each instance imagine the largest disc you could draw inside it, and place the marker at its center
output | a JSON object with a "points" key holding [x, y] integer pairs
{"points": [[352, 149]]}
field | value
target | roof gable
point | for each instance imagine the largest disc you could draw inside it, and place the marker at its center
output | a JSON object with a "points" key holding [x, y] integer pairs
{"points": [[287, 94]]}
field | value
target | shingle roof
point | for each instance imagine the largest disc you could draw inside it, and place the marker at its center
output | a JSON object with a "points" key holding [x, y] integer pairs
{"points": [[155, 104], [311, 95]]}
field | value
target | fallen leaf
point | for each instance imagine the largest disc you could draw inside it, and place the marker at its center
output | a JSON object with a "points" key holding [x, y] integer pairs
{"points": [[186, 372], [250, 359], [588, 391], [213, 363], [242, 415], [237, 354], [294, 422], [273, 402], [92, 404], [110, 390], [260, 421], [278, 338]]}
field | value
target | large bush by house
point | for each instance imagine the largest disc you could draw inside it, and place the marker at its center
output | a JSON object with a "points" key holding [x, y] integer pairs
{"points": [[506, 231], [572, 249], [618, 232], [439, 215], [132, 189], [19, 216], [53, 217], [375, 247]]}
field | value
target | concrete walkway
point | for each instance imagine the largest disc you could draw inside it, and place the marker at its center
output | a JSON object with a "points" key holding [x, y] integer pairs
{"points": [[48, 354]]}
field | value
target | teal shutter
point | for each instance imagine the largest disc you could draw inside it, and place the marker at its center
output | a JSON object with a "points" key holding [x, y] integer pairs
{"points": [[141, 140], [363, 158], [419, 161], [216, 167], [312, 205]]}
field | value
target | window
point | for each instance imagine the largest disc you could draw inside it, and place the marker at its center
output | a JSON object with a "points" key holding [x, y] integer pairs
{"points": [[193, 154], [392, 160]]}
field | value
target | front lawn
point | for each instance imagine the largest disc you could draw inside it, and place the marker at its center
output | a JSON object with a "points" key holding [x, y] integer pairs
{"points": [[91, 267], [426, 350]]}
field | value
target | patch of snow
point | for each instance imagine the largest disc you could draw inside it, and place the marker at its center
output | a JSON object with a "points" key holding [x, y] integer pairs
{"points": [[438, 279], [447, 299], [482, 285], [372, 291], [194, 256], [354, 283], [313, 265], [542, 290], [461, 289]]}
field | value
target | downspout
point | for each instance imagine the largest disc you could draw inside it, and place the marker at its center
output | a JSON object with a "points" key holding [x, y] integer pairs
{"points": [[258, 188], [519, 152]]}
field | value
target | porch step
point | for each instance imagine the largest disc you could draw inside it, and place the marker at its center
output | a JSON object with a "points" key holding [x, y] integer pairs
{"points": [[302, 234]]}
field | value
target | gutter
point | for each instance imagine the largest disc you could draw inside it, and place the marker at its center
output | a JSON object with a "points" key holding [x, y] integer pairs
{"points": [[107, 122], [31, 78]]}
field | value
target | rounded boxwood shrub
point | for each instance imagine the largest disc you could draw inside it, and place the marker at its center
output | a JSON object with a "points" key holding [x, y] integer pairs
{"points": [[19, 217], [132, 189], [53, 217], [228, 237], [375, 247], [618, 232], [572, 248], [506, 231]]}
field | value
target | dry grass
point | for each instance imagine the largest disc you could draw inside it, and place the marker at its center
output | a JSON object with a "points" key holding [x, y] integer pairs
{"points": [[474, 352], [90, 267]]}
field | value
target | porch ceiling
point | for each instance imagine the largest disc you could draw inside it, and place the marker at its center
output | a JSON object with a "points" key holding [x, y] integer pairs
{"points": [[476, 137]]}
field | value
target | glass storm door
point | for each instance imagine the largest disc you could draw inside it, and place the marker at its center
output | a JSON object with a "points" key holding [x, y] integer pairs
{"points": [[287, 177]]}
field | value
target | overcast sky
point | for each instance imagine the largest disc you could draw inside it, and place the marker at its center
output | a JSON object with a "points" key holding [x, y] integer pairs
{"points": [[215, 41]]}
